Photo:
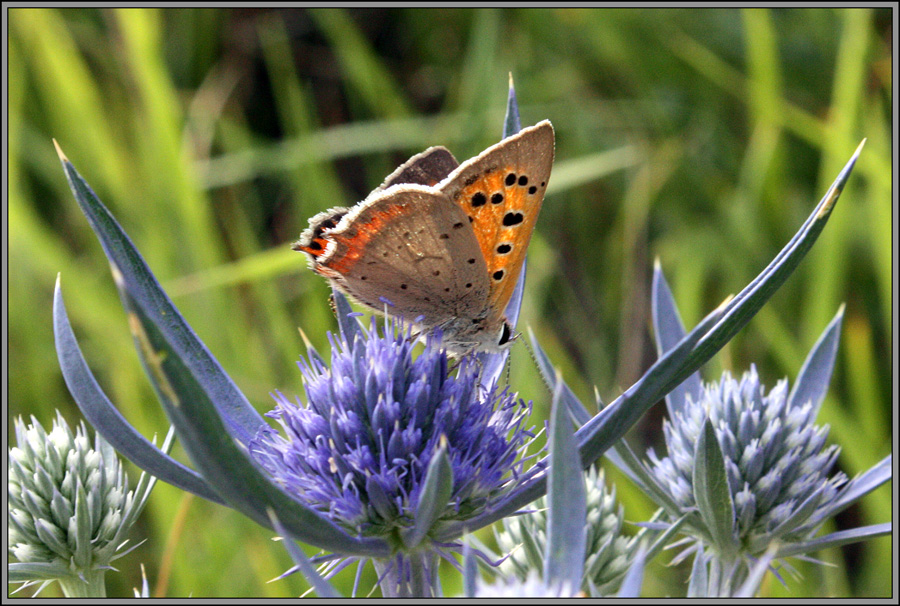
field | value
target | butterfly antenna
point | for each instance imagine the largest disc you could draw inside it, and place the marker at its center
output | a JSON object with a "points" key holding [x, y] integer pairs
{"points": [[536, 365], [530, 350], [508, 365]]}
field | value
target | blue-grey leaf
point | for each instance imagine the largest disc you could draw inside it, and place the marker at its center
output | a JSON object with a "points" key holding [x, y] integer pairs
{"points": [[312, 354], [624, 458], [812, 382], [712, 493], [860, 486], [83, 522], [604, 429], [836, 539], [631, 584], [607, 427], [436, 493], [223, 461], [669, 330], [754, 579], [23, 572], [213, 419], [135, 281], [617, 458], [320, 585], [108, 421], [512, 124], [801, 513], [749, 301], [470, 572], [698, 587], [515, 301], [564, 558], [665, 537]]}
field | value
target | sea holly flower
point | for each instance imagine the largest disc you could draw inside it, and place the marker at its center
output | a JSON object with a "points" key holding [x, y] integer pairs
{"points": [[218, 427], [563, 563], [747, 469], [359, 449], [775, 457], [392, 445], [70, 507], [608, 551]]}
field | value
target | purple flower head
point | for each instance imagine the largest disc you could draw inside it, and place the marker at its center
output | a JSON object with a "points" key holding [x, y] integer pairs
{"points": [[360, 447]]}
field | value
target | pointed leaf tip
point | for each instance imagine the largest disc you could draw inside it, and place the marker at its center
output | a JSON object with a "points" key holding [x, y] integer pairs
{"points": [[725, 302], [304, 338], [59, 152], [841, 181], [669, 331], [815, 374], [512, 124]]}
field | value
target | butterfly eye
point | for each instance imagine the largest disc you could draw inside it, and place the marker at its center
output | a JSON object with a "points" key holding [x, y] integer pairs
{"points": [[505, 334]]}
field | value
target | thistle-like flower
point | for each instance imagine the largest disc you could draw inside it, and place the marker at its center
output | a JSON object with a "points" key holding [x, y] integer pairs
{"points": [[69, 507], [775, 459], [747, 472], [361, 449], [608, 553]]}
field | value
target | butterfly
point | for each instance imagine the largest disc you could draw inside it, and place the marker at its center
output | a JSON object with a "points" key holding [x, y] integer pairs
{"points": [[439, 243]]}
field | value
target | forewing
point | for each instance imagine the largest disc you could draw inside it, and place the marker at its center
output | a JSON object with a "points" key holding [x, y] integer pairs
{"points": [[502, 190]]}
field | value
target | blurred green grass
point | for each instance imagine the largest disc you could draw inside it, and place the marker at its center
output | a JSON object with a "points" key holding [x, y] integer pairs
{"points": [[702, 137]]}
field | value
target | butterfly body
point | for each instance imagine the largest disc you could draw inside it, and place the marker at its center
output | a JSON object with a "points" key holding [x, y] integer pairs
{"points": [[441, 244]]}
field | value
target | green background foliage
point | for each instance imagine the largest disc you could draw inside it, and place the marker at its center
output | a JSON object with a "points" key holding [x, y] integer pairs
{"points": [[702, 137]]}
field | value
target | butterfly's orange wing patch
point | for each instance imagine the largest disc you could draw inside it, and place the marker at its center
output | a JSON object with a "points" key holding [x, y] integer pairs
{"points": [[502, 191]]}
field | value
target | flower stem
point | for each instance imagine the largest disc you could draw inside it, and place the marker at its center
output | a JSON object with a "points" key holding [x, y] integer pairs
{"points": [[409, 575], [90, 584], [724, 576]]}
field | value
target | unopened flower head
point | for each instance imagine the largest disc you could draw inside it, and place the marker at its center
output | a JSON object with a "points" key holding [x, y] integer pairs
{"points": [[359, 449], [775, 458], [608, 552], [69, 503]]}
